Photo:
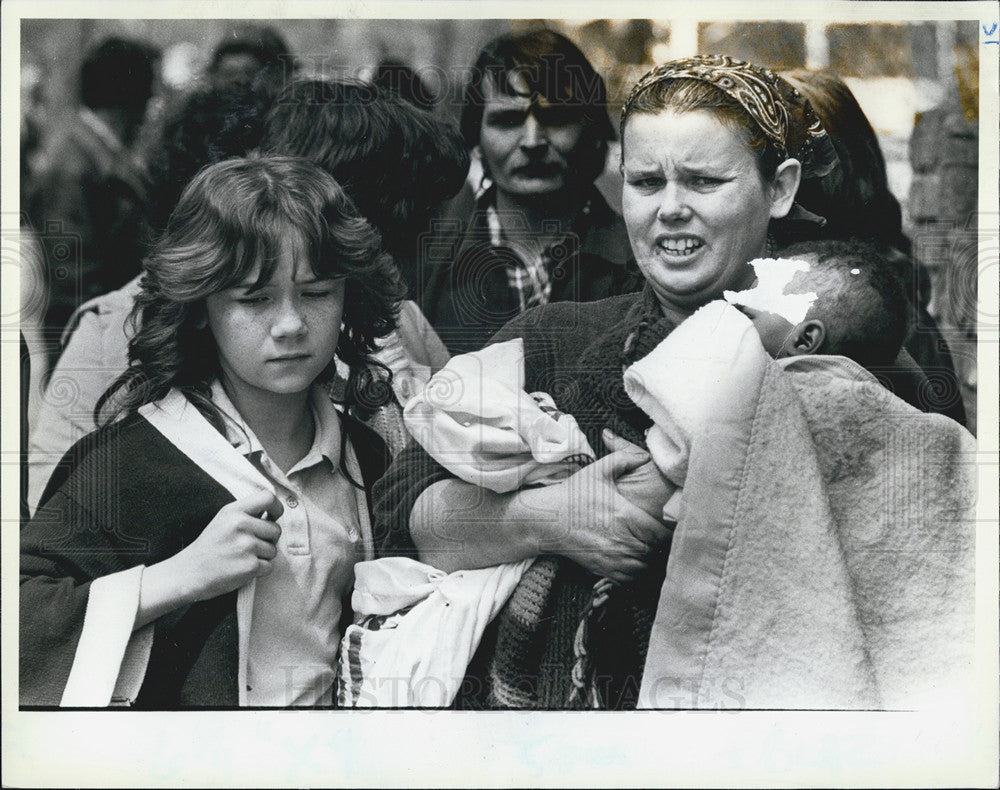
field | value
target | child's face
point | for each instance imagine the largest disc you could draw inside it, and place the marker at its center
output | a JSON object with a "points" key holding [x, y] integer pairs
{"points": [[776, 332], [279, 338]]}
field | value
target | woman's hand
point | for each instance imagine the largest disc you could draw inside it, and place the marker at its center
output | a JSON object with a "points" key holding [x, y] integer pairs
{"points": [[592, 523], [237, 545], [456, 525], [645, 486]]}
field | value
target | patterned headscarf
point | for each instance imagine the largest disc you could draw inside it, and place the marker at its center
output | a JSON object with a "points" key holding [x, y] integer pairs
{"points": [[783, 114]]}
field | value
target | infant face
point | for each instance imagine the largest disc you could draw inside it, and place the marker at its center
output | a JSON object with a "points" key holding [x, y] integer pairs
{"points": [[776, 332]]}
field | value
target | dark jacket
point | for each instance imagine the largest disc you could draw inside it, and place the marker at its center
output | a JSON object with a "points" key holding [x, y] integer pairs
{"points": [[466, 295], [125, 496]]}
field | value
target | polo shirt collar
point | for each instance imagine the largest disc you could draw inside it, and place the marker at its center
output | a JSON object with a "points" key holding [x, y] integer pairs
{"points": [[326, 441]]}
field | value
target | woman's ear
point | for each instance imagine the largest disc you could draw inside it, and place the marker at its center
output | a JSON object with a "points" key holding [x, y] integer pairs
{"points": [[807, 338], [784, 185]]}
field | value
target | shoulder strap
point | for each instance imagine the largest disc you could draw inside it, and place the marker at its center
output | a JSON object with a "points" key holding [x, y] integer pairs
{"points": [[371, 450]]}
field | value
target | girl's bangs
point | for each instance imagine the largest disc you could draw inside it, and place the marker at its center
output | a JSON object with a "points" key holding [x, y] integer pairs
{"points": [[257, 250]]}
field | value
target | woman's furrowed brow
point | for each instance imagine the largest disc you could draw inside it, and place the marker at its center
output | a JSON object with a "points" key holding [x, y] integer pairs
{"points": [[641, 170]]}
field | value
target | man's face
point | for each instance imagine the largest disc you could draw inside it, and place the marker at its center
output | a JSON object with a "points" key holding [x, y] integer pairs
{"points": [[237, 68], [530, 148]]}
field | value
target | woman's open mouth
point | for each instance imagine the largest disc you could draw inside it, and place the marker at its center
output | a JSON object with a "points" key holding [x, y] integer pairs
{"points": [[681, 247]]}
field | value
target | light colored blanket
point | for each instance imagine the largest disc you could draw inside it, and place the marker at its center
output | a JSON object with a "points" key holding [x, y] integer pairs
{"points": [[476, 420], [824, 557], [417, 627]]}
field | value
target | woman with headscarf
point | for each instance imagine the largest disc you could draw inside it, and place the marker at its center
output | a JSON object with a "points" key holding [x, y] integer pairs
{"points": [[777, 592], [713, 152]]}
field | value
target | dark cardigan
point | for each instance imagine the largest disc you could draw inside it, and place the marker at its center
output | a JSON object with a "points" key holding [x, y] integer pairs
{"points": [[125, 496]]}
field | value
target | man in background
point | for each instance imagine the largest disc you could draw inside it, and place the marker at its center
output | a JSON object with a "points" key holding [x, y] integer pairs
{"points": [[536, 229]]}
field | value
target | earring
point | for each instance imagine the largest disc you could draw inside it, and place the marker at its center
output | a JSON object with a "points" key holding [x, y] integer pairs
{"points": [[772, 245]]}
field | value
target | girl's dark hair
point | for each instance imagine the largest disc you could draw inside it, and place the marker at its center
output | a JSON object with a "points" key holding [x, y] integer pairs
{"points": [[686, 95], [553, 67], [396, 161], [233, 217]]}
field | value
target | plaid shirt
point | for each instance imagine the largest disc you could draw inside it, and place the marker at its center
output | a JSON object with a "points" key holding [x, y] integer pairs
{"points": [[529, 278]]}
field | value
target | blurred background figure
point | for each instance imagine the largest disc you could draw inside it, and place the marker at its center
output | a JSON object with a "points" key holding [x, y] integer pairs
{"points": [[34, 359], [34, 290], [953, 242], [856, 201], [32, 119], [397, 162], [85, 195], [212, 123], [535, 229], [251, 55], [245, 57]]}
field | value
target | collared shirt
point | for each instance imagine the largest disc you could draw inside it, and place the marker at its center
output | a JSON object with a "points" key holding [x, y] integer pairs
{"points": [[531, 277], [294, 633]]}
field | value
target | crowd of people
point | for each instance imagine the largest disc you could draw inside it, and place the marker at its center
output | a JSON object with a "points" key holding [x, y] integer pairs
{"points": [[309, 330]]}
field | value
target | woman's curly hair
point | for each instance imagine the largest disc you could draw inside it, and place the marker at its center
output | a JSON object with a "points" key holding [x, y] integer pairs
{"points": [[232, 222]]}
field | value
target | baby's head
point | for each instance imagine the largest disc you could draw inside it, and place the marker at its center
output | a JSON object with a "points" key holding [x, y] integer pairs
{"points": [[859, 311]]}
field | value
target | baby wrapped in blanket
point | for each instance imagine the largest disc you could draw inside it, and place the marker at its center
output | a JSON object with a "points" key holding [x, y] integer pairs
{"points": [[417, 627]]}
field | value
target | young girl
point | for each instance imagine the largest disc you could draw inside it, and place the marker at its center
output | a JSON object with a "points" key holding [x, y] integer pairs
{"points": [[195, 550]]}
